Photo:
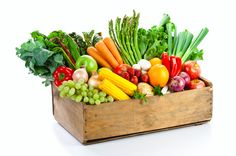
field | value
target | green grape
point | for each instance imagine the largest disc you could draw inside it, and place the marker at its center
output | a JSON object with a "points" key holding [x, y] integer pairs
{"points": [[102, 99], [71, 83], [61, 87], [90, 93], [95, 91], [77, 85], [86, 85], [71, 92], [110, 98], [73, 97], [83, 87], [105, 100], [97, 102], [96, 96], [66, 89], [91, 88], [78, 98], [102, 94], [64, 83], [62, 94], [91, 101], [86, 100], [84, 93]]}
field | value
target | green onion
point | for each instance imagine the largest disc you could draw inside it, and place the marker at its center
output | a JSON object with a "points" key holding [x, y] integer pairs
{"points": [[194, 44]]}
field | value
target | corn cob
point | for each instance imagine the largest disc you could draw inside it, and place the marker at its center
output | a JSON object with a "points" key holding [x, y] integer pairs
{"points": [[117, 80], [113, 90]]}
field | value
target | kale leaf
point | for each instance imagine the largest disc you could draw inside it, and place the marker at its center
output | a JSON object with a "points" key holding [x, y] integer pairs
{"points": [[40, 61]]}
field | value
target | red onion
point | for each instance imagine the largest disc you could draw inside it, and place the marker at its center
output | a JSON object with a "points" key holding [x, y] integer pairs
{"points": [[186, 78], [177, 84]]}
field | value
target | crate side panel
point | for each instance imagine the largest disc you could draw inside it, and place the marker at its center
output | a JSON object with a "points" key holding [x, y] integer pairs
{"points": [[69, 115], [127, 117]]}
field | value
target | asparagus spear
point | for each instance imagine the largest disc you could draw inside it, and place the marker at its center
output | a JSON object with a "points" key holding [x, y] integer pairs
{"points": [[128, 39], [136, 37], [123, 52]]}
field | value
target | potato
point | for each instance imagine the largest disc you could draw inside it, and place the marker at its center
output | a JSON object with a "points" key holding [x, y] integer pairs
{"points": [[145, 88]]}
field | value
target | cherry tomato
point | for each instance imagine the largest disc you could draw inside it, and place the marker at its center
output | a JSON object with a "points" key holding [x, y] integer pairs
{"points": [[119, 70]]}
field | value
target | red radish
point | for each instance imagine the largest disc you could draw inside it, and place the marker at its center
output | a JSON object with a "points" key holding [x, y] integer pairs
{"points": [[144, 78], [134, 79], [138, 73], [131, 71], [125, 75]]}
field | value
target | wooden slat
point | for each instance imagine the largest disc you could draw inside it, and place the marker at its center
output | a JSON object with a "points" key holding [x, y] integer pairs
{"points": [[69, 115], [120, 119], [127, 117], [88, 142]]}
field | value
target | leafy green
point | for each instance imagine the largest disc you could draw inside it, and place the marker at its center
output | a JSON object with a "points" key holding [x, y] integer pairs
{"points": [[80, 42], [138, 95], [154, 41], [196, 55], [40, 61], [157, 90], [88, 37]]}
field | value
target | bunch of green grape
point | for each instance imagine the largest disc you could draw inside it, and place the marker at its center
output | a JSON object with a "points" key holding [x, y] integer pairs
{"points": [[82, 92]]}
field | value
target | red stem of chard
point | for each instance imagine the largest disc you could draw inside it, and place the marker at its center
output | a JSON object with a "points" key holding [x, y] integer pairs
{"points": [[67, 51]]}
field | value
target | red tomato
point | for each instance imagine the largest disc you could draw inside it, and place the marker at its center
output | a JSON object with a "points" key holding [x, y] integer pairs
{"points": [[125, 75], [145, 78], [196, 84], [192, 69], [134, 79], [119, 70]]}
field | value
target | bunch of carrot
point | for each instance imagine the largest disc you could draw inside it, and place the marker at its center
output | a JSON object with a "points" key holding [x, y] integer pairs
{"points": [[105, 53]]}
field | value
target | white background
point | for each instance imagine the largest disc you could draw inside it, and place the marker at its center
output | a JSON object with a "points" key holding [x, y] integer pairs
{"points": [[27, 126]]}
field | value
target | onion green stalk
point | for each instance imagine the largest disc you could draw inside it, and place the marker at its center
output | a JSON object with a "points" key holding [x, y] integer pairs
{"points": [[194, 44]]}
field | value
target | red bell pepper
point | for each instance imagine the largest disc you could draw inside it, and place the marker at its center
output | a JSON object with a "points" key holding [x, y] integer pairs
{"points": [[179, 64], [175, 65], [61, 74], [165, 60]]}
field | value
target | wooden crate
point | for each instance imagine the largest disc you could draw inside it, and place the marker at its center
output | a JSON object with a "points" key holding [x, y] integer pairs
{"points": [[108, 121]]}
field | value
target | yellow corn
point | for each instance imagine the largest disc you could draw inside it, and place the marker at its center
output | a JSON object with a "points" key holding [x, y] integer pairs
{"points": [[117, 80], [112, 90]]}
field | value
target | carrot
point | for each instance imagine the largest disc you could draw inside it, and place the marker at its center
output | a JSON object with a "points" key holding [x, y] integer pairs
{"points": [[106, 54], [92, 51], [112, 47]]}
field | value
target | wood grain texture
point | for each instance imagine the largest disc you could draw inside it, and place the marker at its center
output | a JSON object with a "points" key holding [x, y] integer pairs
{"points": [[89, 123], [126, 117], [69, 115]]}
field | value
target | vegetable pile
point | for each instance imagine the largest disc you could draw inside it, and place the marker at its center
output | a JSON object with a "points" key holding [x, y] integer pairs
{"points": [[132, 62]]}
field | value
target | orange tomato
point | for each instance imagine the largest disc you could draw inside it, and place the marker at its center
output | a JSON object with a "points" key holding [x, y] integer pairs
{"points": [[158, 75], [155, 61]]}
